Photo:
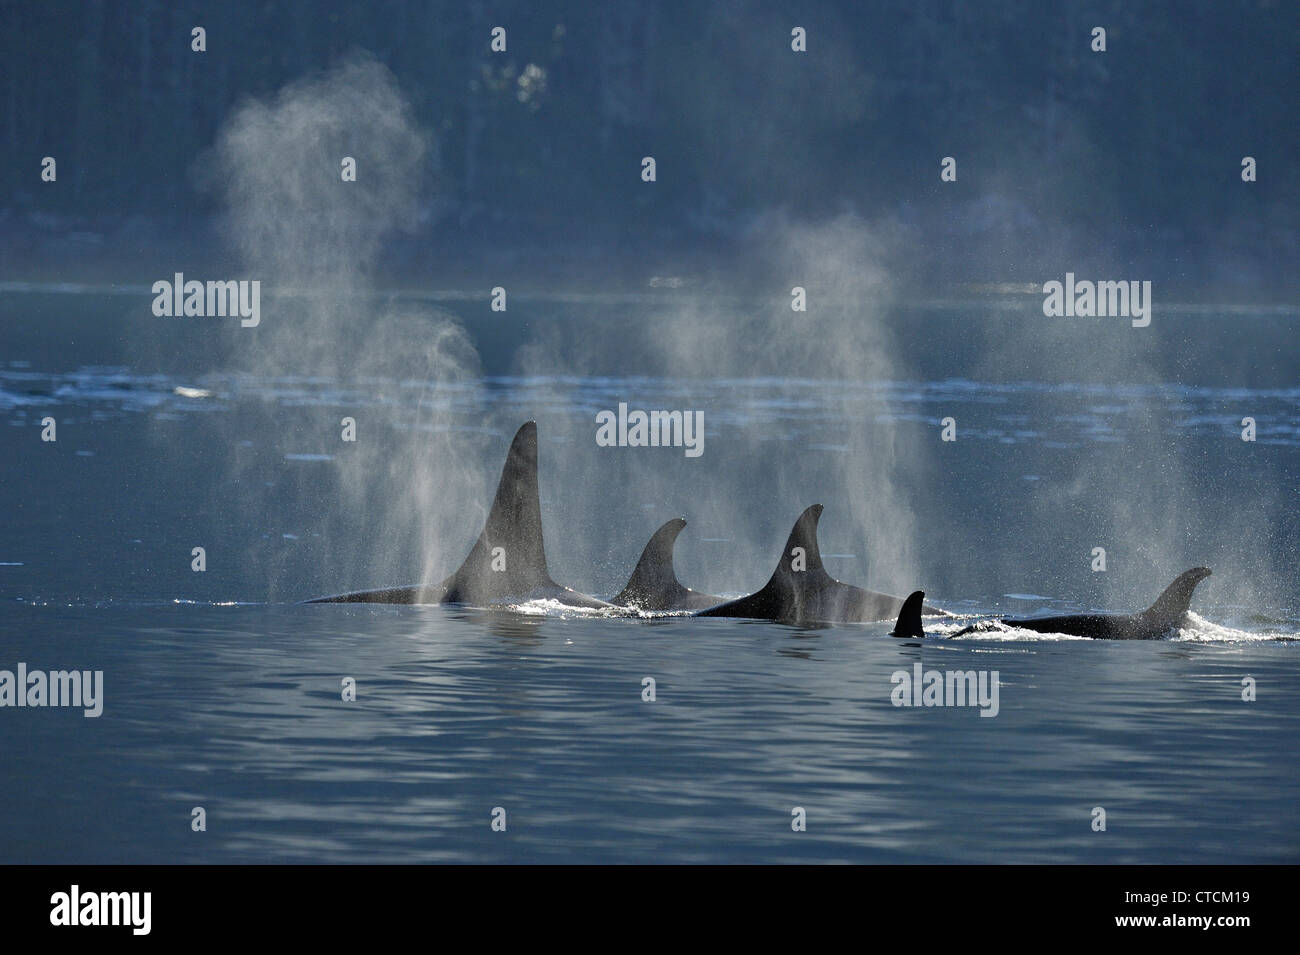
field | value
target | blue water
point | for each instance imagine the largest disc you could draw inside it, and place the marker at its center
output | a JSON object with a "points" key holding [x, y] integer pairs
{"points": [[222, 692], [238, 710]]}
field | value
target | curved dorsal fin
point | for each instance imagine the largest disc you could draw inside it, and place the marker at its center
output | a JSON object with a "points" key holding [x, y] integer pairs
{"points": [[804, 536], [1170, 606], [509, 556], [799, 573], [909, 618], [800, 589], [654, 579]]}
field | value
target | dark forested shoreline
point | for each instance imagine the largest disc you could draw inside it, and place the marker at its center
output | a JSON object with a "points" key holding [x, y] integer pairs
{"points": [[1129, 157]]}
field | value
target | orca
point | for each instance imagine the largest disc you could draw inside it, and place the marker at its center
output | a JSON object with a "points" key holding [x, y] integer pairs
{"points": [[653, 585], [507, 565], [909, 618], [801, 591], [1168, 612]]}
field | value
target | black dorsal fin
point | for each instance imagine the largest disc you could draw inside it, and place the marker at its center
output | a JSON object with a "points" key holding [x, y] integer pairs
{"points": [[1170, 606], [654, 582], [803, 536], [654, 585], [909, 618], [512, 535], [800, 589], [799, 573]]}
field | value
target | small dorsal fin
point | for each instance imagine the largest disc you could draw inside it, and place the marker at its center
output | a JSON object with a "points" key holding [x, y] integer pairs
{"points": [[1170, 606], [509, 556], [654, 580], [654, 584], [909, 618]]}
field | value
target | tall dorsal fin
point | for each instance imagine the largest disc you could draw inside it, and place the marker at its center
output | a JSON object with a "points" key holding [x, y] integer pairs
{"points": [[1170, 606], [909, 618], [803, 536], [508, 557], [654, 579]]}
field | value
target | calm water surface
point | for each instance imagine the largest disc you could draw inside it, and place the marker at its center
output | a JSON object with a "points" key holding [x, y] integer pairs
{"points": [[222, 692]]}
